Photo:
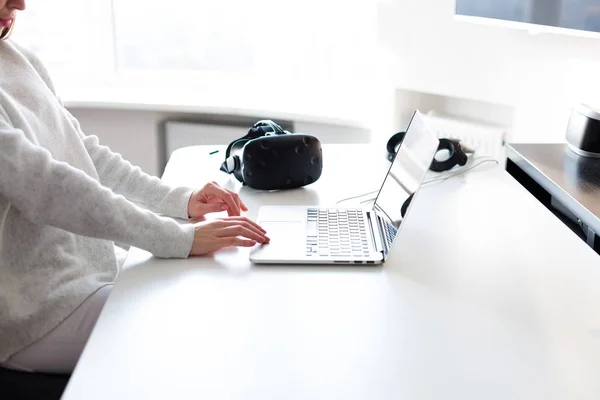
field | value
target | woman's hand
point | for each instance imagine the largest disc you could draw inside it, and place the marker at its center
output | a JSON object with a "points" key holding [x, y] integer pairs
{"points": [[214, 198], [215, 234]]}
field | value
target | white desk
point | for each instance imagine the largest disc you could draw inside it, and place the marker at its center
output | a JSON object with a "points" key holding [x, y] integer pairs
{"points": [[486, 296]]}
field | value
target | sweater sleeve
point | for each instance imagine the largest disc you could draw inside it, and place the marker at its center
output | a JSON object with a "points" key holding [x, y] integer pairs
{"points": [[118, 174], [130, 181], [48, 191]]}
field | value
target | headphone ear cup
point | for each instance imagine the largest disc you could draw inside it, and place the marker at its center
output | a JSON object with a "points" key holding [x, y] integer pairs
{"points": [[457, 156], [393, 144], [461, 155], [405, 205]]}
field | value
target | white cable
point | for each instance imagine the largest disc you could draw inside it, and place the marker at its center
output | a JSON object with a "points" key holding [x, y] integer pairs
{"points": [[356, 197], [483, 160], [461, 171]]}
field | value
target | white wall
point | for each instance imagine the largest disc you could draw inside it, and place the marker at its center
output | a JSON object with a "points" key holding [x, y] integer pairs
{"points": [[534, 80], [541, 76], [133, 134]]}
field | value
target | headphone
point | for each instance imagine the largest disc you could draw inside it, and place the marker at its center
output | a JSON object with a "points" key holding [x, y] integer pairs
{"points": [[458, 154], [269, 157]]}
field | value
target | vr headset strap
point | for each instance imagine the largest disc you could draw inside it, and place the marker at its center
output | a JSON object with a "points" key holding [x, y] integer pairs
{"points": [[261, 128]]}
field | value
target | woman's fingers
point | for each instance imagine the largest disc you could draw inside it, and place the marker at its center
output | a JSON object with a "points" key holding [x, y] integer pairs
{"points": [[243, 220], [226, 196], [242, 230], [235, 241], [238, 200], [213, 235], [231, 198]]}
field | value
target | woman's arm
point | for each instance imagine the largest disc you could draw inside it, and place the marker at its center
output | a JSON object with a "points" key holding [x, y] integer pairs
{"points": [[130, 181], [118, 174], [47, 191]]}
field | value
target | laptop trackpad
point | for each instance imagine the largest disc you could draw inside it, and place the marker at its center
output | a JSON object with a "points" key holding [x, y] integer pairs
{"points": [[287, 241]]}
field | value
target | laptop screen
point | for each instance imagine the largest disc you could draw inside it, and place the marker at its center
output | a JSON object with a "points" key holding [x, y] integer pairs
{"points": [[405, 176]]}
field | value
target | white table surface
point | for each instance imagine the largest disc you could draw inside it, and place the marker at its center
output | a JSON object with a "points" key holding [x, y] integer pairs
{"points": [[486, 295]]}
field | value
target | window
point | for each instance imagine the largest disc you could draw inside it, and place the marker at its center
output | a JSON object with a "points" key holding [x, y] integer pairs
{"points": [[151, 50], [318, 58], [300, 39], [72, 37], [193, 36], [318, 37]]}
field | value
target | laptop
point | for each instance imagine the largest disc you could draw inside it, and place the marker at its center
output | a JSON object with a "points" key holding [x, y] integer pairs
{"points": [[351, 235]]}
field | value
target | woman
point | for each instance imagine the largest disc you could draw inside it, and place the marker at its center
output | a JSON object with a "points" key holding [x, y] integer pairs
{"points": [[64, 201]]}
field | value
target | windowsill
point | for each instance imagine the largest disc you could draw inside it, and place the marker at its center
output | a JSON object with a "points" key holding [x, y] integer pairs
{"points": [[330, 103]]}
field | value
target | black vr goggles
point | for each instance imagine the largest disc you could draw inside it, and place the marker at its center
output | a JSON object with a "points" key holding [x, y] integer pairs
{"points": [[270, 158]]}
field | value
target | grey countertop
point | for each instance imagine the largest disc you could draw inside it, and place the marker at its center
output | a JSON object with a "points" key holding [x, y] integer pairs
{"points": [[572, 179]]}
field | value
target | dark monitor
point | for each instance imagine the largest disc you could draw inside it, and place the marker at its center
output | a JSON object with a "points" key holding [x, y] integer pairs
{"points": [[582, 15]]}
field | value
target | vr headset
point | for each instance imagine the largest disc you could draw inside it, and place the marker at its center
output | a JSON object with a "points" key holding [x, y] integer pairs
{"points": [[270, 158]]}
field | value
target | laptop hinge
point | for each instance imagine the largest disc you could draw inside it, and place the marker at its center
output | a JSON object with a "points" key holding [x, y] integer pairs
{"points": [[375, 231]]}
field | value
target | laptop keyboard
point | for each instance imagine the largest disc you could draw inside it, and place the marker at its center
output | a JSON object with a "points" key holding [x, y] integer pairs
{"points": [[336, 232], [390, 232]]}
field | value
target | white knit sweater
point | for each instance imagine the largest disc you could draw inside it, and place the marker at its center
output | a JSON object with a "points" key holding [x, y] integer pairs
{"points": [[64, 201]]}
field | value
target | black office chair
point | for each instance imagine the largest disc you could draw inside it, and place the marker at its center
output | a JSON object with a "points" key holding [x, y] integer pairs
{"points": [[17, 385]]}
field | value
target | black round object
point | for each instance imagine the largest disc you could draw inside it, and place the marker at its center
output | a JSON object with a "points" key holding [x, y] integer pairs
{"points": [[282, 162], [457, 154], [405, 205], [583, 131], [393, 145]]}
